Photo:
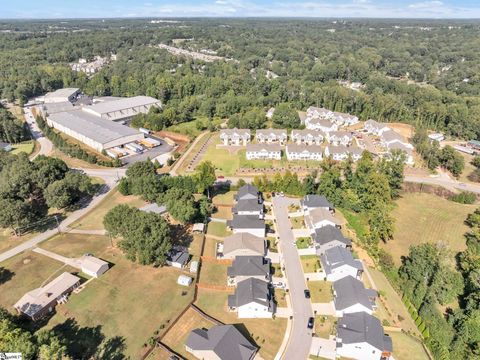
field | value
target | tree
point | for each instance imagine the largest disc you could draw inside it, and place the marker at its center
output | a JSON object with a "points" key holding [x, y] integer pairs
{"points": [[205, 176], [14, 339], [452, 160], [180, 204], [285, 116], [394, 168], [14, 214]]}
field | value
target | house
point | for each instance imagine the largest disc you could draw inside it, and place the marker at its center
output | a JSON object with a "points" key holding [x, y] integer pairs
{"points": [[321, 113], [247, 224], [244, 267], [324, 125], [390, 137], [474, 144], [312, 201], [345, 119], [374, 127], [184, 280], [243, 244], [92, 266], [5, 146], [307, 137], [235, 136], [340, 152], [219, 342], [328, 237], [340, 138], [270, 112], [252, 299], [361, 336], [436, 137], [263, 152], [409, 160], [303, 152], [320, 217], [178, 258], [271, 136], [350, 296], [154, 208], [248, 207], [39, 302], [338, 263], [247, 192]]}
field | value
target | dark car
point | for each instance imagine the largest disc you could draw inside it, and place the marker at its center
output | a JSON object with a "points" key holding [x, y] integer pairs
{"points": [[307, 293], [310, 322]]}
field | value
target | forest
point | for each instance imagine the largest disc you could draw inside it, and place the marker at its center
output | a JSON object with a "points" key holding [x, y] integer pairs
{"points": [[422, 73]]}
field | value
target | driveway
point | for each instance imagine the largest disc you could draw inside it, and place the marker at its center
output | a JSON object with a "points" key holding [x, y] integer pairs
{"points": [[46, 146], [325, 348], [300, 337]]}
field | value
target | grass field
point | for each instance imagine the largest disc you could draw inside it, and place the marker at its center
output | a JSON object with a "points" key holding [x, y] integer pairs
{"points": [[25, 147], [76, 245], [310, 263], [218, 229], [320, 291], [178, 334], [8, 240], [407, 348], [224, 199], [226, 163], [213, 273], [303, 242], [190, 128], [427, 218], [222, 212], [266, 333], [93, 220]]}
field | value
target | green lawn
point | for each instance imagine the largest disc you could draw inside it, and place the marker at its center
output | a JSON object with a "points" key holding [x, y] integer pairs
{"points": [[303, 242], [407, 348], [297, 222], [93, 220], [427, 218], [226, 163], [218, 229], [276, 270], [320, 291], [213, 274], [310, 263], [25, 147], [190, 128]]}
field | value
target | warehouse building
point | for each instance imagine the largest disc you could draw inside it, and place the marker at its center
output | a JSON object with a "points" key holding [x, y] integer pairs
{"points": [[93, 130], [122, 109], [62, 95]]}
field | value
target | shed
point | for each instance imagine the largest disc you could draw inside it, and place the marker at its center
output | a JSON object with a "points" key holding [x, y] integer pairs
{"points": [[184, 280], [194, 267], [198, 227], [93, 266]]}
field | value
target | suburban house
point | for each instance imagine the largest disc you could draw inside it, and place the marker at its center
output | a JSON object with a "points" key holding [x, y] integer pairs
{"points": [[154, 208], [178, 258], [374, 127], [338, 263], [325, 125], [263, 152], [243, 244], [93, 266], [340, 138], [320, 217], [341, 152], [248, 192], [271, 136], [409, 160], [350, 296], [390, 137], [248, 207], [312, 201], [244, 267], [307, 137], [344, 119], [39, 302], [361, 336], [247, 224], [235, 136], [316, 112], [219, 342], [328, 237], [252, 299], [303, 152]]}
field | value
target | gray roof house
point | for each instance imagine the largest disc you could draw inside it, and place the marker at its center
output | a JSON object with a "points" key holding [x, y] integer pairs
{"points": [[312, 201], [244, 267], [243, 244], [219, 342], [178, 258], [247, 223], [328, 237], [248, 207], [351, 296], [252, 299], [248, 192], [361, 336], [338, 263]]}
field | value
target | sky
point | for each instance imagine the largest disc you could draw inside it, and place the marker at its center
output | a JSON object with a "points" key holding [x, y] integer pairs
{"points": [[239, 8]]}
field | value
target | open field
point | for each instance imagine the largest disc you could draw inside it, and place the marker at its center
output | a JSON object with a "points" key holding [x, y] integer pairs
{"points": [[76, 245], [93, 220], [178, 334], [8, 240], [209, 248], [320, 291], [406, 347], [325, 326], [310, 263], [190, 128], [427, 218], [266, 333], [218, 229], [25, 147]]}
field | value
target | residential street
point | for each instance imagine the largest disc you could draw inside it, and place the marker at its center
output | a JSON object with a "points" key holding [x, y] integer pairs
{"points": [[300, 337]]}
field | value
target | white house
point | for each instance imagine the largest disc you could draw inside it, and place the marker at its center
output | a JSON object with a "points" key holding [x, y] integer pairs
{"points": [[320, 217], [271, 136], [350, 296], [252, 299], [316, 112], [248, 192], [344, 138], [263, 152], [390, 137], [92, 266], [325, 125], [361, 336], [345, 119], [248, 207], [307, 137], [328, 237], [340, 152], [303, 152], [235, 136], [338, 263], [374, 127], [409, 160], [247, 224]]}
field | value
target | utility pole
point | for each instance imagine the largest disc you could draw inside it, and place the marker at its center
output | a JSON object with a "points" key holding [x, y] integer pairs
{"points": [[58, 224]]}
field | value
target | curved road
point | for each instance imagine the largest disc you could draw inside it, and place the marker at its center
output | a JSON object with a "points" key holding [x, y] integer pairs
{"points": [[445, 182], [46, 146]]}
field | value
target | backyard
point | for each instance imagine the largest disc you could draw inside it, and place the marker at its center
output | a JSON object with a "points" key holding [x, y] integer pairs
{"points": [[407, 348], [218, 229]]}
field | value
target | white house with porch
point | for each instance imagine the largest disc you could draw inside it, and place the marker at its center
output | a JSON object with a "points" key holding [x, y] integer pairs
{"points": [[235, 136], [263, 152], [271, 136], [303, 152], [307, 137]]}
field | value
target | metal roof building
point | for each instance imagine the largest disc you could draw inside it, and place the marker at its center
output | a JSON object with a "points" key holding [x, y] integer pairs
{"points": [[61, 95], [124, 108]]}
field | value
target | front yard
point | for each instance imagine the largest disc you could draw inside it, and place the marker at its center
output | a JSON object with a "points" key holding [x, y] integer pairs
{"points": [[303, 242], [325, 326], [310, 263], [320, 291], [297, 222]]}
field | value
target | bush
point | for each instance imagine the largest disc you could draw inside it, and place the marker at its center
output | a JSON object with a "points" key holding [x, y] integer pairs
{"points": [[426, 333], [464, 197]]}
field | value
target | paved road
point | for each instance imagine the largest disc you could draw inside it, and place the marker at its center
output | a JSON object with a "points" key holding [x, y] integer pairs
{"points": [[46, 146], [298, 347], [173, 171], [445, 182]]}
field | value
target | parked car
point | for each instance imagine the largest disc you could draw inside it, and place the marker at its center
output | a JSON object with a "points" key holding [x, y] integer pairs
{"points": [[311, 322], [307, 293]]}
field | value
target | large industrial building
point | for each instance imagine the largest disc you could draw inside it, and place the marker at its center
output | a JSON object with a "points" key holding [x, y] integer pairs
{"points": [[99, 125]]}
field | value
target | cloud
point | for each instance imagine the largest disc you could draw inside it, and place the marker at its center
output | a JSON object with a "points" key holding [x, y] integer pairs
{"points": [[426, 5]]}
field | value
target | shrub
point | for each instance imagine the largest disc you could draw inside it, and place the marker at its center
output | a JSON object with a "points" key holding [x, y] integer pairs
{"points": [[464, 197]]}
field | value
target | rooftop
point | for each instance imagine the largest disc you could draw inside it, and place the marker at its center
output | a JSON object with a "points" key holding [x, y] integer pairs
{"points": [[267, 132], [312, 200], [249, 266], [350, 291], [122, 104], [92, 263], [329, 233], [295, 148], [261, 147], [251, 290], [338, 256], [246, 222], [244, 241], [247, 192], [65, 92], [248, 205]]}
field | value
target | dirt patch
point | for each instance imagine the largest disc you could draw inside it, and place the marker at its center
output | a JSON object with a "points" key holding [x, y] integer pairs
{"points": [[403, 129], [181, 140]]}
